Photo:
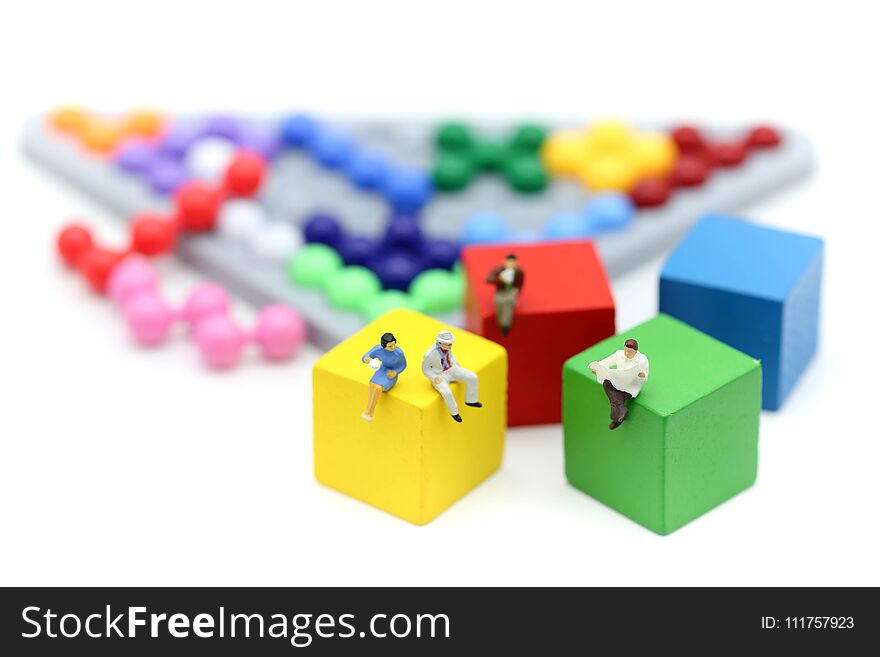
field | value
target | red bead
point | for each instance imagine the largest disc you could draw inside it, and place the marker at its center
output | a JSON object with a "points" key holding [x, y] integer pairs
{"points": [[650, 193], [197, 206], [728, 154], [152, 233], [763, 136], [688, 139], [244, 174], [690, 171], [73, 241], [96, 265]]}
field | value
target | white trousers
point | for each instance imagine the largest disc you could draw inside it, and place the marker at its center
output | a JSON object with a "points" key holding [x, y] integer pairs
{"points": [[457, 373]]}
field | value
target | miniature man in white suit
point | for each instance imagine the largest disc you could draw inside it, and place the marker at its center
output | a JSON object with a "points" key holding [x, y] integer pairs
{"points": [[441, 368], [633, 365]]}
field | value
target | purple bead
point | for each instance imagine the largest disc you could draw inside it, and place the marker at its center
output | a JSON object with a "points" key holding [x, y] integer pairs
{"points": [[323, 229], [397, 270], [367, 170], [136, 158], [440, 254], [403, 234], [223, 126], [262, 141], [179, 140], [358, 250], [167, 175]]}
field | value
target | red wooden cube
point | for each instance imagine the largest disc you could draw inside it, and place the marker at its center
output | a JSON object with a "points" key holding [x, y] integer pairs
{"points": [[565, 306]]}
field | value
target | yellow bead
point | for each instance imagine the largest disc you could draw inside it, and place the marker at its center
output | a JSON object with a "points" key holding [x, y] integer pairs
{"points": [[609, 136], [413, 460], [563, 152], [655, 154], [144, 123], [69, 119], [609, 173]]}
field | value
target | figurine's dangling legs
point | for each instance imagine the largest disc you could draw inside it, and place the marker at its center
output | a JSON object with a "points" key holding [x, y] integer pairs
{"points": [[505, 303], [375, 392], [618, 400]]}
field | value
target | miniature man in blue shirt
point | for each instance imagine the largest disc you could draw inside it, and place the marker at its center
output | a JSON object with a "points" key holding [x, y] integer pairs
{"points": [[442, 368], [387, 360]]}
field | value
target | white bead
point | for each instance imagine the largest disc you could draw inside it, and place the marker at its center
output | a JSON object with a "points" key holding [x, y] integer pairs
{"points": [[242, 220], [276, 242], [209, 157]]}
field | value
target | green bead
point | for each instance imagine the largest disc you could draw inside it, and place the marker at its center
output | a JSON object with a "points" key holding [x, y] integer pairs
{"points": [[313, 265], [437, 290], [452, 171], [454, 136], [385, 302], [351, 288], [491, 155], [526, 174], [528, 137]]}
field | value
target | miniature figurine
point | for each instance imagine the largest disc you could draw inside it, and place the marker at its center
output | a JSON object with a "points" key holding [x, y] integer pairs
{"points": [[622, 375], [508, 282], [387, 360], [441, 368]]}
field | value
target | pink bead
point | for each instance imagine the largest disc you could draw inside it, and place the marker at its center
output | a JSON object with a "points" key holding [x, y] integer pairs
{"points": [[220, 341], [130, 278], [280, 332], [206, 300], [149, 318]]}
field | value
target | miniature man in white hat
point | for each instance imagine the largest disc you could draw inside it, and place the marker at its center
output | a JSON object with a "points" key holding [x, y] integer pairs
{"points": [[441, 368]]}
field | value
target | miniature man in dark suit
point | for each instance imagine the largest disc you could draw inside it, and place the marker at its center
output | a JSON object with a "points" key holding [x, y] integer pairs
{"points": [[508, 282]]}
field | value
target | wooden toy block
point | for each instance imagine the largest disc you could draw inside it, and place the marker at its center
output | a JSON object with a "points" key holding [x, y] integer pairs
{"points": [[564, 307], [413, 460], [754, 288], [690, 440]]}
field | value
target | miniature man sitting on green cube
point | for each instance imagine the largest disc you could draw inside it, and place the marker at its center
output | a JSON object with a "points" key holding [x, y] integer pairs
{"points": [[621, 375]]}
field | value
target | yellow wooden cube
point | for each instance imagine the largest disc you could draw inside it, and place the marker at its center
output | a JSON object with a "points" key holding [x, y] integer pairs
{"points": [[413, 460]]}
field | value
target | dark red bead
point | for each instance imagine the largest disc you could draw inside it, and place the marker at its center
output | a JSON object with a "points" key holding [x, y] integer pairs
{"points": [[244, 174], [197, 206], [96, 265], [73, 241], [763, 136], [152, 233], [728, 154], [689, 171], [650, 193], [688, 139]]}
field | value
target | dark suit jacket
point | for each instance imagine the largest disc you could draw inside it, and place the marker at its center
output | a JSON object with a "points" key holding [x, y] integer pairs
{"points": [[494, 278]]}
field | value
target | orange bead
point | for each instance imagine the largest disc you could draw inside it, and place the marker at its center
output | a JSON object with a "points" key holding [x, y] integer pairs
{"points": [[144, 123], [69, 119], [101, 136]]}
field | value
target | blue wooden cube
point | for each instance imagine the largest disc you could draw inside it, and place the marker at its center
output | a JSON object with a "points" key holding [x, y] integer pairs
{"points": [[754, 288]]}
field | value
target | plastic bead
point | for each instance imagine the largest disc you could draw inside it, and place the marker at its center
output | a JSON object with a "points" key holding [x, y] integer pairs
{"points": [[563, 152], [244, 174], [728, 154], [149, 319], [167, 176], [397, 270], [528, 137], [322, 228], [650, 193], [209, 158], [526, 174], [689, 171], [453, 171], [314, 265], [454, 136], [205, 300], [566, 226], [96, 265], [241, 220], [367, 170], [654, 154], [69, 119], [331, 149], [262, 141], [358, 250], [101, 136], [491, 155], [485, 228], [385, 302], [276, 242], [280, 332], [227, 127], [688, 139], [136, 158], [763, 137], [220, 341], [403, 233], [609, 211], [298, 130], [440, 254], [179, 140], [144, 123], [351, 287], [437, 290], [130, 278], [407, 190], [73, 241], [198, 205], [152, 234]]}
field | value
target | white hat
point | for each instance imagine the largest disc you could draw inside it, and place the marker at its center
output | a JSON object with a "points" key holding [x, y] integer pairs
{"points": [[445, 337]]}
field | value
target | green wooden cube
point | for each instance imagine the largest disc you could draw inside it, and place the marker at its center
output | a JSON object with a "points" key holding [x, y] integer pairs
{"points": [[690, 440]]}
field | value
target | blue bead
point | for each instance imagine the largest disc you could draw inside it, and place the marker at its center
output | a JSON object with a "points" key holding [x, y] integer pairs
{"points": [[440, 254], [567, 225], [323, 229], [609, 211], [403, 234], [485, 228], [298, 130], [397, 270], [331, 148], [367, 170], [407, 190], [358, 250]]}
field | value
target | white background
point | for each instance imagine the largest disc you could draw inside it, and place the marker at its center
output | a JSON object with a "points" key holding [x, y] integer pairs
{"points": [[125, 467]]}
